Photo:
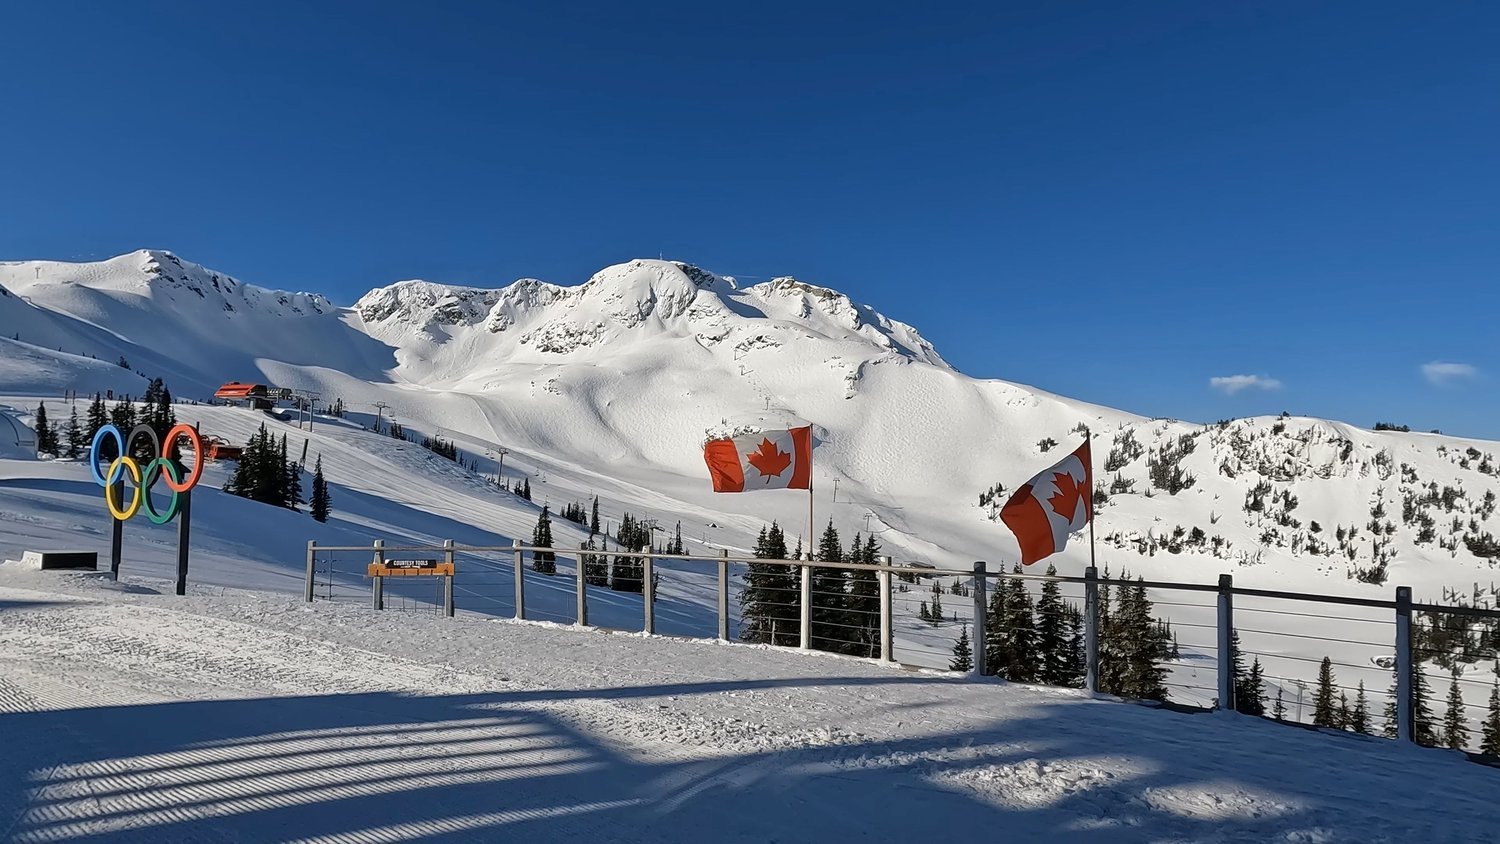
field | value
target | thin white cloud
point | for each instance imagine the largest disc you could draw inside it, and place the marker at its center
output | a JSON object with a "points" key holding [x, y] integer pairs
{"points": [[1232, 384], [1441, 373]]}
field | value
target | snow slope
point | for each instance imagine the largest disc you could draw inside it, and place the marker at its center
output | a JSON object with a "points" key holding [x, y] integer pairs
{"points": [[614, 384], [130, 715], [608, 388]]}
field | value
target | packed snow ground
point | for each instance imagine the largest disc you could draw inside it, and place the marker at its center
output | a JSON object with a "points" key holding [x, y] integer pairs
{"points": [[133, 715]]}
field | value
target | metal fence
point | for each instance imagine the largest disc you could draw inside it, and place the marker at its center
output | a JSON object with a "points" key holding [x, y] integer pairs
{"points": [[1371, 666]]}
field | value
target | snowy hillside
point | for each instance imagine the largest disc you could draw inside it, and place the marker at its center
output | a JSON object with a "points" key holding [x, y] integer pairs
{"points": [[611, 386]]}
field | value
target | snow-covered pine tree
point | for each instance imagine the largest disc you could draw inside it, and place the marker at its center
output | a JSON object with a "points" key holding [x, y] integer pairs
{"points": [[1325, 711], [936, 614], [963, 652], [1489, 732], [997, 640], [1359, 717], [924, 613], [594, 518], [541, 537], [321, 500], [1455, 723], [74, 444]]}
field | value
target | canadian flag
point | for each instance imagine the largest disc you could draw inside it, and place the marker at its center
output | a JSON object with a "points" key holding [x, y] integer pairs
{"points": [[767, 460], [1052, 505]]}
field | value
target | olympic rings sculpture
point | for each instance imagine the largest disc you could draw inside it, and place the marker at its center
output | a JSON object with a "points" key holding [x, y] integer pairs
{"points": [[144, 478]]}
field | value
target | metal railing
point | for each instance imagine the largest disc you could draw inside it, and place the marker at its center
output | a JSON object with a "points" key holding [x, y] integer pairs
{"points": [[1187, 644]]}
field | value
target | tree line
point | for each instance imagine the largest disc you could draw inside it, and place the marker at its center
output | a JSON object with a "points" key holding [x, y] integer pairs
{"points": [[845, 604]]}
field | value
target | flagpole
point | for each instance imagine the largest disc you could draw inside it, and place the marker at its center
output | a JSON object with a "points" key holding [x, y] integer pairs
{"points": [[809, 515], [1088, 434]]}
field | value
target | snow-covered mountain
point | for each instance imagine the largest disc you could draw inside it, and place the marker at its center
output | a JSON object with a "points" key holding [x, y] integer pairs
{"points": [[611, 386]]}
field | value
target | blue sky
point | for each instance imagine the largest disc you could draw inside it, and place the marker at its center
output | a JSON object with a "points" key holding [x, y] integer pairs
{"points": [[1118, 202]]}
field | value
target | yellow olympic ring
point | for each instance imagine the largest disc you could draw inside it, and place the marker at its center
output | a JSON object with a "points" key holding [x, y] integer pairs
{"points": [[134, 469]]}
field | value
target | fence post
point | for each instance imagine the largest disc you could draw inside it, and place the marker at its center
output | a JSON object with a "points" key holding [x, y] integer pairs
{"points": [[805, 607], [884, 578], [520, 579], [1091, 629], [312, 556], [1226, 641], [648, 588], [581, 611], [1404, 667], [377, 585], [448, 557], [981, 584], [724, 595]]}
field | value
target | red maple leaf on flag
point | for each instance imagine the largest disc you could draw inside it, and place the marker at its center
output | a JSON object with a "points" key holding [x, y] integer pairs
{"points": [[1068, 496], [769, 460]]}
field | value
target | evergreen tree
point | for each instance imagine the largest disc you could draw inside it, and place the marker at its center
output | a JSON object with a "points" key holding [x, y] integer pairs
{"points": [[74, 433], [1341, 713], [1075, 660], [862, 606], [320, 498], [1250, 696], [1324, 712], [963, 653], [526, 488], [595, 566], [1051, 634], [1137, 646], [1489, 734], [924, 613], [828, 596], [676, 547], [541, 537], [46, 437], [98, 417], [1021, 666], [770, 602], [292, 474], [1279, 710], [1359, 717], [1455, 724], [628, 573], [122, 415], [1389, 714], [936, 614], [594, 518], [1236, 669], [1426, 731]]}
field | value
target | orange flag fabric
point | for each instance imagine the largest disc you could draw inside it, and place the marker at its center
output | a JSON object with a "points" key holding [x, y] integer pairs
{"points": [[767, 460], [1051, 506]]}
